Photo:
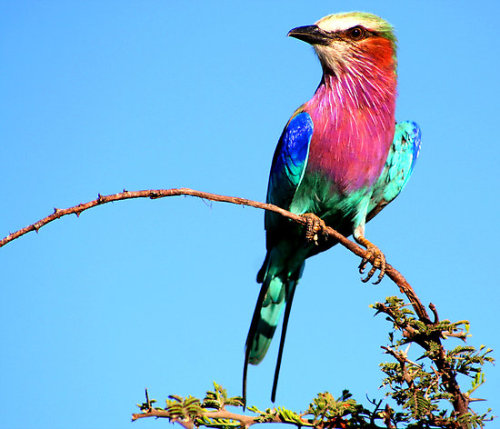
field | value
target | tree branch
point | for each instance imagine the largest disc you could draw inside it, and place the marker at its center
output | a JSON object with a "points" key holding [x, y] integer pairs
{"points": [[211, 412], [244, 419], [391, 272]]}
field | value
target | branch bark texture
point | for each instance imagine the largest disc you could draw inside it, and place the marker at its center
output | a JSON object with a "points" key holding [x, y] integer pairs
{"points": [[391, 272]]}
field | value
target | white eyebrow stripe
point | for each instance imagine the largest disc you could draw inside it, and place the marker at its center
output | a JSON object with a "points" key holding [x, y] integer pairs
{"points": [[340, 23]]}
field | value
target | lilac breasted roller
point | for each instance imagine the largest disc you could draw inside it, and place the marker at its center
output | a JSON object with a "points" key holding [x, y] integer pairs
{"points": [[341, 157]]}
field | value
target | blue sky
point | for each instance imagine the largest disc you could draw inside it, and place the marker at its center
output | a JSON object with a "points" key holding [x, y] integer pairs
{"points": [[101, 96]]}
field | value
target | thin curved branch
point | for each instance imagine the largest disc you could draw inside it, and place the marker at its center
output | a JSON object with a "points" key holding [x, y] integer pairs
{"points": [[391, 272]]}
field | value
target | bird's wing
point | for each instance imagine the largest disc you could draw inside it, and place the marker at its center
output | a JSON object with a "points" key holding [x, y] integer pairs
{"points": [[290, 160], [398, 167], [278, 275]]}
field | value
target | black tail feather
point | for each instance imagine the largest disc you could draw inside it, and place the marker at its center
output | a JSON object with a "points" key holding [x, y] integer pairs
{"points": [[282, 341], [245, 370]]}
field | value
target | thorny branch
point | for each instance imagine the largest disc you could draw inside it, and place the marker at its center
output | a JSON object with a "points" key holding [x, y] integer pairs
{"points": [[211, 412], [391, 272], [460, 400]]}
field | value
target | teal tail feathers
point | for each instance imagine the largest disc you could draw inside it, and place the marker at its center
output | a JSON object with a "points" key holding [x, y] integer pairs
{"points": [[276, 295], [266, 316]]}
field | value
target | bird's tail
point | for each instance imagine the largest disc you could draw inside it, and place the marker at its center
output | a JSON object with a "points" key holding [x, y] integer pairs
{"points": [[276, 295]]}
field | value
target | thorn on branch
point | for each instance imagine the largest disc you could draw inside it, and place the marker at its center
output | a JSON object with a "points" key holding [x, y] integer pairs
{"points": [[476, 400], [207, 202]]}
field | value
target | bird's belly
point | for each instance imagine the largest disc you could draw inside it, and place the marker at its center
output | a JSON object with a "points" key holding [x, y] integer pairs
{"points": [[318, 194]]}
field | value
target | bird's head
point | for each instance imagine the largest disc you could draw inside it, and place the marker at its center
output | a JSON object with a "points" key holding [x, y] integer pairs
{"points": [[346, 41]]}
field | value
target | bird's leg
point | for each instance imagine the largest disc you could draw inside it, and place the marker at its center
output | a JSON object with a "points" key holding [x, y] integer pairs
{"points": [[314, 225], [372, 252]]}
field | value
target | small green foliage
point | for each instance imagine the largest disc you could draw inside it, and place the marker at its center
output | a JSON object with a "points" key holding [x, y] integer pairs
{"points": [[325, 405], [145, 405], [328, 411], [217, 399], [425, 390], [468, 360], [183, 409], [428, 391], [288, 416], [267, 416], [279, 414]]}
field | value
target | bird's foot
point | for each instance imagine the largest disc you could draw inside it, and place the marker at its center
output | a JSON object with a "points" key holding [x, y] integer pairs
{"points": [[375, 254], [314, 226]]}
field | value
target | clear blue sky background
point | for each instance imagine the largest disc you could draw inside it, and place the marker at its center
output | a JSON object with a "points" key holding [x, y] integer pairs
{"points": [[99, 96]]}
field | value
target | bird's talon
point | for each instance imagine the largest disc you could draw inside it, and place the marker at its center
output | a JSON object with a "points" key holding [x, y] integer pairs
{"points": [[373, 254], [314, 225], [370, 274]]}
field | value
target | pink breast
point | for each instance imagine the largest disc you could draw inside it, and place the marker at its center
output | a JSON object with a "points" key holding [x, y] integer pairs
{"points": [[349, 144]]}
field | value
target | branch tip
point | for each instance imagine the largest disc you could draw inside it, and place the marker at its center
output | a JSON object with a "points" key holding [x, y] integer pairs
{"points": [[434, 312]]}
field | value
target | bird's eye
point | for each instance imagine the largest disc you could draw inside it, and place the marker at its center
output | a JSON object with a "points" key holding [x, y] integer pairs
{"points": [[356, 33]]}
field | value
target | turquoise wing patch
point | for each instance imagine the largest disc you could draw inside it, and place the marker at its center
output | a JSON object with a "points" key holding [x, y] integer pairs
{"points": [[398, 167]]}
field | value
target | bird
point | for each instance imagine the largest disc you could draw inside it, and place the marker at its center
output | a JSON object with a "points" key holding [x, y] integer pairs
{"points": [[340, 160]]}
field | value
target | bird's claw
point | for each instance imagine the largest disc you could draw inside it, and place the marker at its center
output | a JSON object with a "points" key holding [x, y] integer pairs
{"points": [[314, 225], [375, 254]]}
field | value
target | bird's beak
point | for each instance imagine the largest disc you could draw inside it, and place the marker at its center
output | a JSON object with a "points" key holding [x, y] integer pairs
{"points": [[311, 34]]}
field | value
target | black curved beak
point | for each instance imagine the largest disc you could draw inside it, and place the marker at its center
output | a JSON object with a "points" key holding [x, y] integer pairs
{"points": [[311, 34]]}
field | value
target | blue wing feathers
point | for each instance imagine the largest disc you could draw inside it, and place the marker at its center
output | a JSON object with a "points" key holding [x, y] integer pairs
{"points": [[290, 160]]}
